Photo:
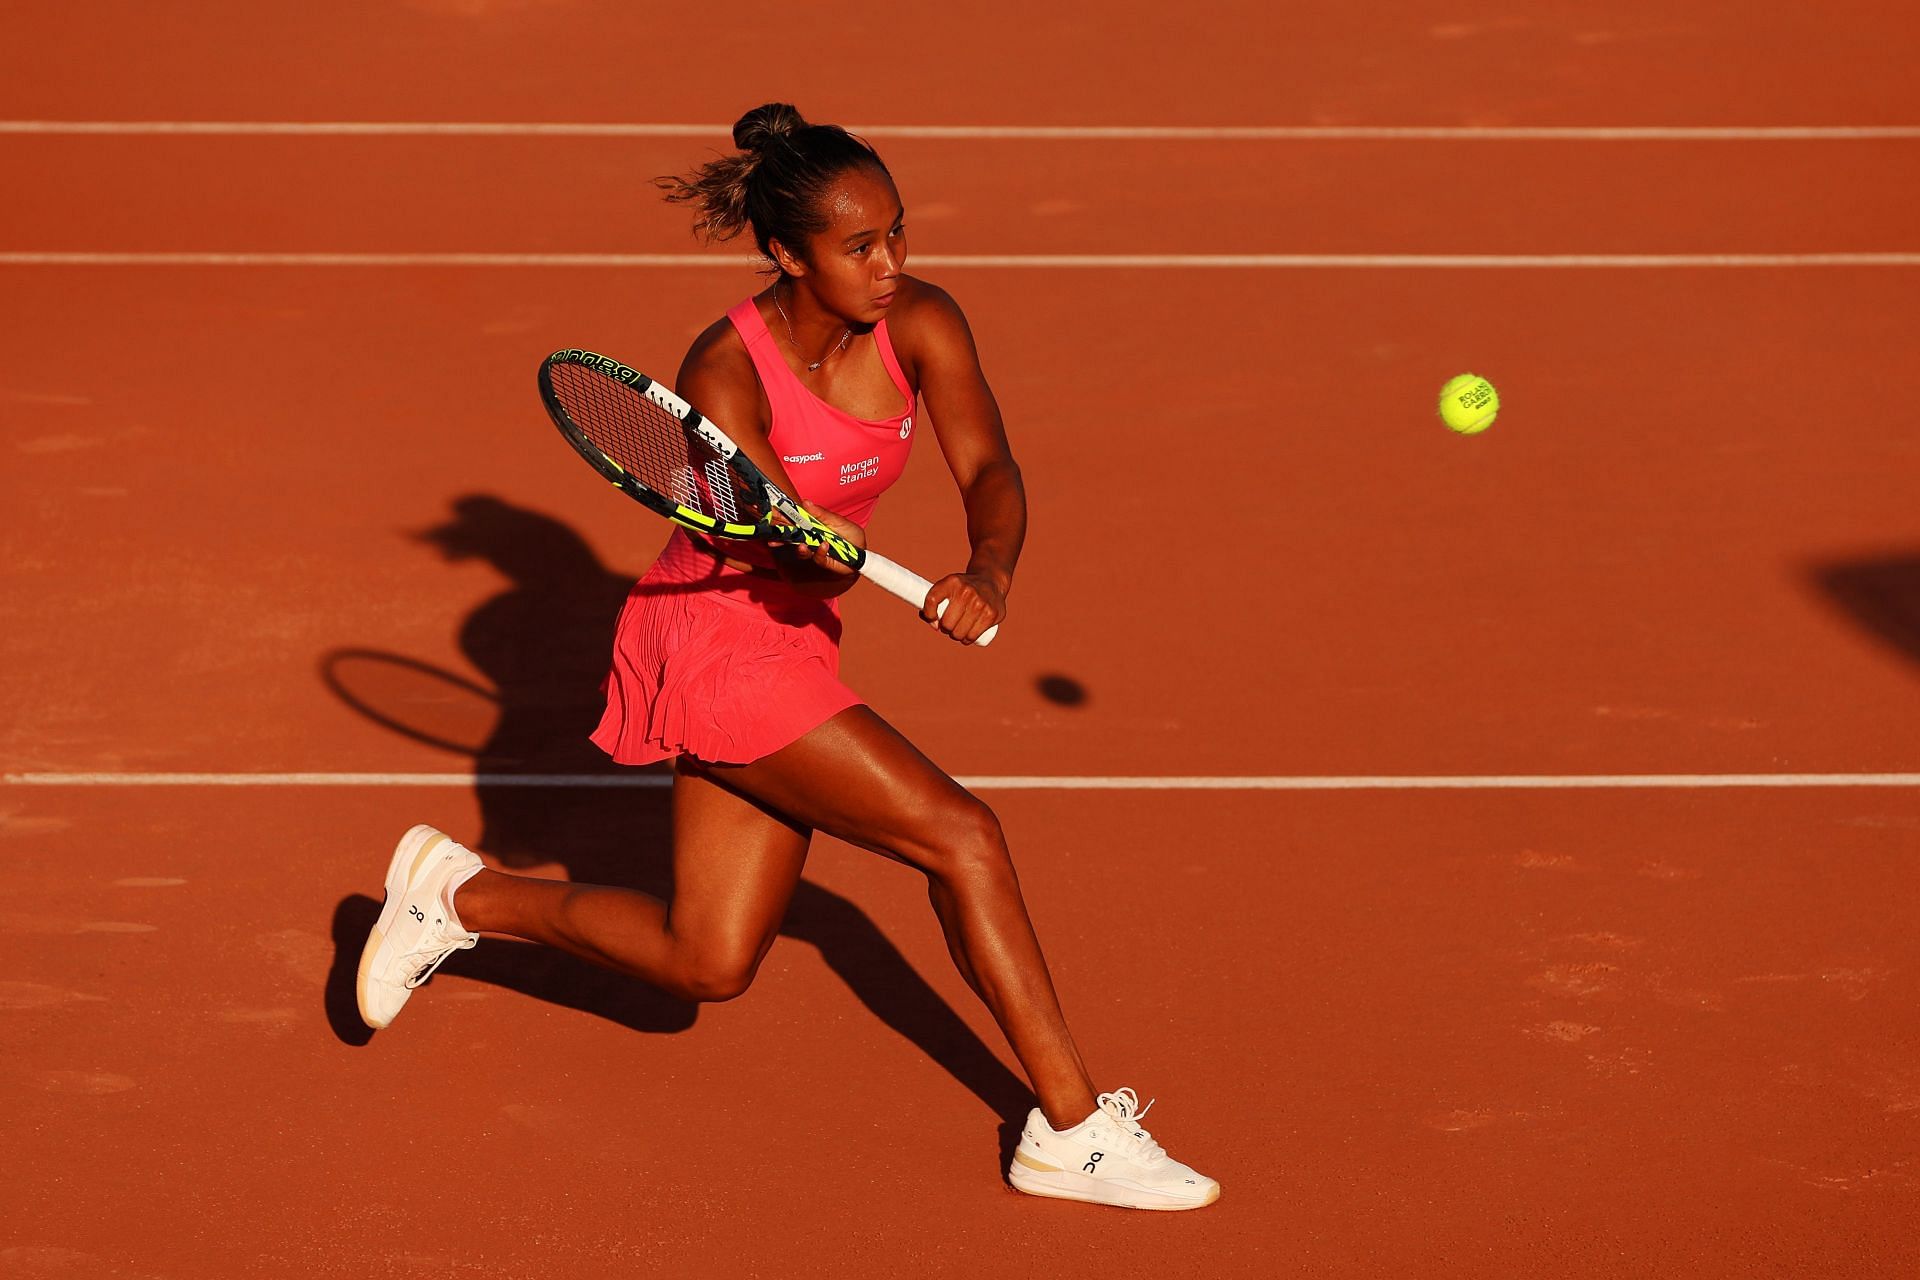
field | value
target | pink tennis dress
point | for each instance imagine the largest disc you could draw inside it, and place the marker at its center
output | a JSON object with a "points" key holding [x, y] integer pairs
{"points": [[725, 665]]}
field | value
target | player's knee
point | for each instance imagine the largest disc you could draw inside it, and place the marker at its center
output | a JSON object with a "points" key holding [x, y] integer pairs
{"points": [[972, 845], [718, 976], [716, 985]]}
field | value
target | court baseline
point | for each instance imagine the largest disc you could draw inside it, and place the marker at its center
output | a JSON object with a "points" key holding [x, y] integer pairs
{"points": [[1016, 782], [1049, 261], [1049, 133]]}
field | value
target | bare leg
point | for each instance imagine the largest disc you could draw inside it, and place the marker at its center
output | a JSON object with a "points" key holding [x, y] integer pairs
{"points": [[857, 779], [735, 867], [736, 862]]}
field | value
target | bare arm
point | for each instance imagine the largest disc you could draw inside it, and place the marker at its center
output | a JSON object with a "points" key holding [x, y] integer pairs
{"points": [[974, 441], [717, 378]]}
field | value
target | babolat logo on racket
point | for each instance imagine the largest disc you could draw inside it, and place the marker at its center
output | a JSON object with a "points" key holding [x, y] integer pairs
{"points": [[601, 364], [614, 369]]}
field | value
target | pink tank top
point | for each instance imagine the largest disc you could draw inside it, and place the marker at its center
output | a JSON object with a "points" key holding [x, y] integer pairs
{"points": [[836, 460]]}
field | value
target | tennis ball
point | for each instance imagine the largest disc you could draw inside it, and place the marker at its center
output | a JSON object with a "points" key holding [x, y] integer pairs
{"points": [[1469, 404]]}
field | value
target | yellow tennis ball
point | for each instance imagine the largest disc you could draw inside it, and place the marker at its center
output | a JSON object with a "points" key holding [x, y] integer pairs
{"points": [[1469, 404]]}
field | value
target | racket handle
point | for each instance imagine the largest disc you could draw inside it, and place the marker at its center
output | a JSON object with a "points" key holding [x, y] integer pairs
{"points": [[909, 586]]}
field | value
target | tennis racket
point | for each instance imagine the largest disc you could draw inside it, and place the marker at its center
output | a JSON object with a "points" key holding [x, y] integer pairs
{"points": [[658, 450]]}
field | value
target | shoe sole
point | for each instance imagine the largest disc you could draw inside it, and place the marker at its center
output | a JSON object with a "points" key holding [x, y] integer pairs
{"points": [[1064, 1184], [408, 856]]}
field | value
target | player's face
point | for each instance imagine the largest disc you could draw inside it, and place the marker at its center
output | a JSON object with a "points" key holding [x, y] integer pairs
{"points": [[856, 261]]}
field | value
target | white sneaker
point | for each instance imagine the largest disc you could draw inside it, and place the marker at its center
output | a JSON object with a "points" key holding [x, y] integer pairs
{"points": [[1106, 1159], [418, 927]]}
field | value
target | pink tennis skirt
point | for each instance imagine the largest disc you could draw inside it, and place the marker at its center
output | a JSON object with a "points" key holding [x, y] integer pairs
{"points": [[717, 664]]}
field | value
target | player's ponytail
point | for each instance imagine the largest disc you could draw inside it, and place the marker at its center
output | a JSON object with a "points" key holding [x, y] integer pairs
{"points": [[776, 182], [767, 126]]}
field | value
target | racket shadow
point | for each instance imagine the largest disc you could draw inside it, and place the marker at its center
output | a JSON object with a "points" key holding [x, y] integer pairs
{"points": [[542, 646]]}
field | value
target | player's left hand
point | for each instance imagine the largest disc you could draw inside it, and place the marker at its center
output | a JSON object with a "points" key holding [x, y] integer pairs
{"points": [[974, 602]]}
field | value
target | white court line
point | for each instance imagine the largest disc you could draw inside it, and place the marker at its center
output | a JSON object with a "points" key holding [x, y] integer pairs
{"points": [[1018, 782], [1063, 133], [1050, 261]]}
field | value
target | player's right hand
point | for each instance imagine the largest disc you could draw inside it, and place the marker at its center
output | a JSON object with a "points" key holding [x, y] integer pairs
{"points": [[815, 570]]}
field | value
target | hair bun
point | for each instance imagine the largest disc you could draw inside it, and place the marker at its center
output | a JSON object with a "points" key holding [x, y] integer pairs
{"points": [[761, 127]]}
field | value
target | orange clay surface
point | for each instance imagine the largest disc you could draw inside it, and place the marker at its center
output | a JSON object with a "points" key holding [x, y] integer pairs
{"points": [[282, 519]]}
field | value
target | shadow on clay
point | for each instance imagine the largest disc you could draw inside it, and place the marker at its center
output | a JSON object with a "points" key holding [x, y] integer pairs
{"points": [[542, 645], [1061, 690], [1880, 595]]}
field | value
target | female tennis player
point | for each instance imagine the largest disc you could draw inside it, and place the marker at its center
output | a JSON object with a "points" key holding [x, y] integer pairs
{"points": [[726, 660]]}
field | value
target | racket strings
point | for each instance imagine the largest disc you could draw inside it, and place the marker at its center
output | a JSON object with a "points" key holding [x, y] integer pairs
{"points": [[651, 445]]}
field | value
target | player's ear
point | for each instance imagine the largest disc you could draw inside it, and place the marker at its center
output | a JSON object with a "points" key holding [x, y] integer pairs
{"points": [[784, 258]]}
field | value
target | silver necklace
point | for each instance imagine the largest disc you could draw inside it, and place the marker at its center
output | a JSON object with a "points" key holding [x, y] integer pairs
{"points": [[846, 335]]}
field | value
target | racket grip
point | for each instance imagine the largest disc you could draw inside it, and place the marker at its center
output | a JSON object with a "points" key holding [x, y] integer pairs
{"points": [[909, 586]]}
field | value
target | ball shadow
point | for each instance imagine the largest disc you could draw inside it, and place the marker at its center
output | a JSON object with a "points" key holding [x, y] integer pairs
{"points": [[1062, 691]]}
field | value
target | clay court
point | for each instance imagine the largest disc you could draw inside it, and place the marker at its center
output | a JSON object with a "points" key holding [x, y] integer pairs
{"points": [[1497, 854]]}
